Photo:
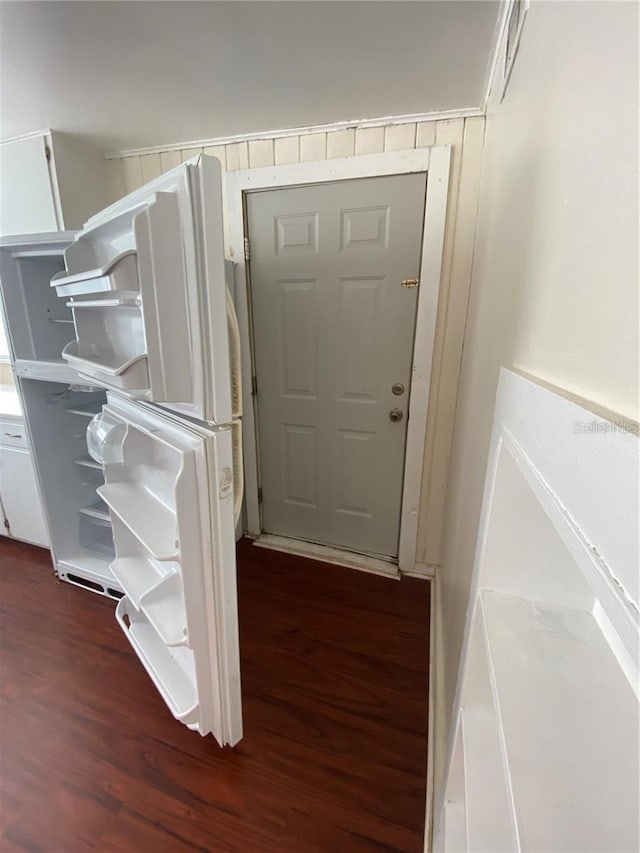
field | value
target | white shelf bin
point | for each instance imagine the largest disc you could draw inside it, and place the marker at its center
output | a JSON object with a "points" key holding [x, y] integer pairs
{"points": [[110, 344], [130, 374], [120, 273], [172, 669], [152, 523], [152, 586]]}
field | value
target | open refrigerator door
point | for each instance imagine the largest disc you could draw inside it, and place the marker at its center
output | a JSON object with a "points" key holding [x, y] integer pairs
{"points": [[145, 282], [170, 492]]}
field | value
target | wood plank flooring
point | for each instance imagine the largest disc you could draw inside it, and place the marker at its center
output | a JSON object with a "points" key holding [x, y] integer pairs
{"points": [[334, 677]]}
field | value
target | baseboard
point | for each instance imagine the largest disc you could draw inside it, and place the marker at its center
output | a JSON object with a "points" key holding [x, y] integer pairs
{"points": [[438, 723], [427, 571], [436, 732], [335, 556]]}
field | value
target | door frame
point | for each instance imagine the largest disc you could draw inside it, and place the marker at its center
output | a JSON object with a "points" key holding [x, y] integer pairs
{"points": [[435, 161]]}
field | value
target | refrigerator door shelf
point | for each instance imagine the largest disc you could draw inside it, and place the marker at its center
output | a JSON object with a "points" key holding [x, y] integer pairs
{"points": [[110, 370], [109, 302], [172, 670], [155, 589], [111, 346], [120, 273], [152, 523], [169, 489]]}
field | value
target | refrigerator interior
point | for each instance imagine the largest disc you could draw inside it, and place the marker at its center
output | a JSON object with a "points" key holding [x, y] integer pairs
{"points": [[41, 324], [79, 525]]}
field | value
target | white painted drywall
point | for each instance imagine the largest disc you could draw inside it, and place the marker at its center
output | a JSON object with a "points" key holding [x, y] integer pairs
{"points": [[555, 277], [131, 75]]}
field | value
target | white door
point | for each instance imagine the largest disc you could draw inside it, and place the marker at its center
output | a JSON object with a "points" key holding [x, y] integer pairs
{"points": [[334, 331], [170, 491], [145, 280]]}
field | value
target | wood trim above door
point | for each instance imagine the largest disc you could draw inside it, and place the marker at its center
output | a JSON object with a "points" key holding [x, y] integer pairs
{"points": [[435, 161]]}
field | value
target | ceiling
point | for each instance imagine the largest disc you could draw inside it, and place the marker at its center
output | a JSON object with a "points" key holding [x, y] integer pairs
{"points": [[135, 74]]}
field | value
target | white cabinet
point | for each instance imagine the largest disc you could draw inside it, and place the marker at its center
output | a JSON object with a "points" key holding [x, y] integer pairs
{"points": [[49, 182], [22, 511]]}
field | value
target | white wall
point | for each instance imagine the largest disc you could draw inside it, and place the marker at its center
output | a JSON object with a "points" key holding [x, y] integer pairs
{"points": [[133, 75], [555, 275], [465, 136]]}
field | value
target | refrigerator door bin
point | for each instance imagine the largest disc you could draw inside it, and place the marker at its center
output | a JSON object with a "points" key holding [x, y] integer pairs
{"points": [[152, 586], [120, 273], [110, 369], [172, 670], [147, 518], [110, 347]]}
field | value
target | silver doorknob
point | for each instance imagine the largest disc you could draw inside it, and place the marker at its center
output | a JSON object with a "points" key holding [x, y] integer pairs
{"points": [[395, 415]]}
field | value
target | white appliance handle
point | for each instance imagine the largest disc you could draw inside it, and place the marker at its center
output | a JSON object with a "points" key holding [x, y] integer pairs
{"points": [[236, 363], [238, 471]]}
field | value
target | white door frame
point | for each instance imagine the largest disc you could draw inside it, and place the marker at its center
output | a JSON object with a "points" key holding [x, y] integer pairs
{"points": [[435, 161]]}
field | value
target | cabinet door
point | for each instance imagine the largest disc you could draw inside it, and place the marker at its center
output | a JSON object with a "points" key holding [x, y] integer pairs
{"points": [[20, 498], [27, 204]]}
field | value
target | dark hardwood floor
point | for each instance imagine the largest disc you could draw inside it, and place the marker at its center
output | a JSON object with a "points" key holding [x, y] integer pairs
{"points": [[334, 677]]}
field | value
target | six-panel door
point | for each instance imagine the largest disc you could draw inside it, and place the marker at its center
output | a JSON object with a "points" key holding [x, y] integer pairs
{"points": [[334, 330]]}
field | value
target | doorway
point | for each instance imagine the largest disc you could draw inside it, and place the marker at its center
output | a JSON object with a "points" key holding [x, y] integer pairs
{"points": [[334, 282]]}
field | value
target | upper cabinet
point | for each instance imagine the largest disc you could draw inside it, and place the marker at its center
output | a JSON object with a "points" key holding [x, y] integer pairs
{"points": [[49, 182]]}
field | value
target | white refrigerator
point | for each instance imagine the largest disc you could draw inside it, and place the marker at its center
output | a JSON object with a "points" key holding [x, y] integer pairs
{"points": [[126, 350]]}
